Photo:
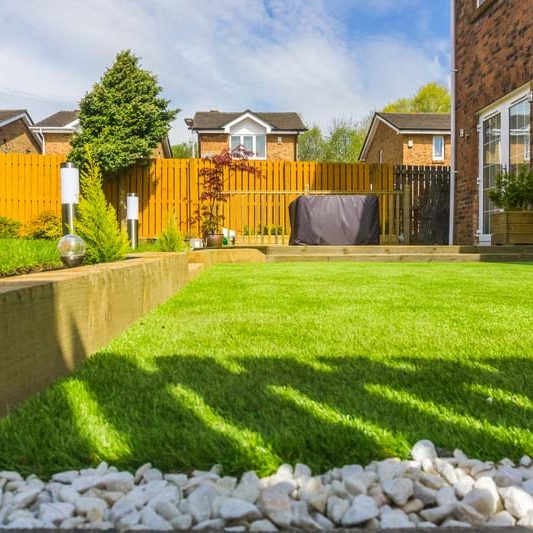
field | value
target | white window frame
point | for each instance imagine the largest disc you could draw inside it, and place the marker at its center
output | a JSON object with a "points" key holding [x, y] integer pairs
{"points": [[254, 145], [502, 107], [443, 155], [479, 3]]}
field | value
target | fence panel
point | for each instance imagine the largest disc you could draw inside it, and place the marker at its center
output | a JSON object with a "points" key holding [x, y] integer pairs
{"points": [[430, 201]]}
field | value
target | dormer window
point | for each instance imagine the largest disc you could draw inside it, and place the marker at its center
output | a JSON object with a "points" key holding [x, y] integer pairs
{"points": [[252, 143]]}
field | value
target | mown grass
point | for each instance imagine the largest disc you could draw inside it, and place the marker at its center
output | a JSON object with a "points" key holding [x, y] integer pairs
{"points": [[18, 256], [326, 364]]}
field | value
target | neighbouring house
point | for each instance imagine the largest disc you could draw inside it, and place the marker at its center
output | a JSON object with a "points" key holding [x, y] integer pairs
{"points": [[270, 136], [493, 62], [57, 130], [16, 136], [408, 139]]}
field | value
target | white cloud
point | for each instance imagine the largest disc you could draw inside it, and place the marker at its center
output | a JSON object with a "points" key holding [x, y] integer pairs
{"points": [[224, 54]]}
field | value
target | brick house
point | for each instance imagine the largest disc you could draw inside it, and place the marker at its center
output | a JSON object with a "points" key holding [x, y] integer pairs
{"points": [[16, 136], [493, 62], [408, 139], [57, 131], [271, 136]]}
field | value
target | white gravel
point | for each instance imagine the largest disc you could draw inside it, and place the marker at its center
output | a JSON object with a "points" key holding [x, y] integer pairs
{"points": [[426, 491]]}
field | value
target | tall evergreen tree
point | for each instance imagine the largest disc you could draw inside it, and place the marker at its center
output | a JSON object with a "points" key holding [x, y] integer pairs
{"points": [[122, 118]]}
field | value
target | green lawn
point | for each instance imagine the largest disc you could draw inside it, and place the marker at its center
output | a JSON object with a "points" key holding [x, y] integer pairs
{"points": [[18, 256], [327, 364]]}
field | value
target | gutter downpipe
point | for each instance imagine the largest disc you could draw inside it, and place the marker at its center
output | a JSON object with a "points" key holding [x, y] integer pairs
{"points": [[453, 135]]}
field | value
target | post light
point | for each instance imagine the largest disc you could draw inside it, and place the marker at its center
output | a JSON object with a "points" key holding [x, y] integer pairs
{"points": [[70, 193], [132, 218], [71, 250]]}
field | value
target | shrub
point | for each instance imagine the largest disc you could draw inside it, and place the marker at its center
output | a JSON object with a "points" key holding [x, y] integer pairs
{"points": [[96, 222], [171, 240], [47, 225], [9, 228], [513, 190]]}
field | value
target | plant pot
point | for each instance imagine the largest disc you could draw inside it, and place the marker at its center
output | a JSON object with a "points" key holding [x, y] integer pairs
{"points": [[214, 240], [512, 227]]}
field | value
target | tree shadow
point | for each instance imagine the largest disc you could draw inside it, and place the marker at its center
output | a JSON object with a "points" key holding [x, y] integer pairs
{"points": [[181, 412]]}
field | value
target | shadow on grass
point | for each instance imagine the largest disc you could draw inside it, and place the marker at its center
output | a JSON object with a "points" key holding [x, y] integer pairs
{"points": [[191, 412]]}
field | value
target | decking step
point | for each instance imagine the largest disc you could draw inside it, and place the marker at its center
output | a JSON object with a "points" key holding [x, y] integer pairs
{"points": [[402, 258]]}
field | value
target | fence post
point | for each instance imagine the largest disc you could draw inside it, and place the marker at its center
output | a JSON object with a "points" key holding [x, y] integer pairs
{"points": [[306, 189], [406, 213]]}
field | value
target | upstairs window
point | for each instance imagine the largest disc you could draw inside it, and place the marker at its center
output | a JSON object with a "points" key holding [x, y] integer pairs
{"points": [[438, 148], [252, 143]]}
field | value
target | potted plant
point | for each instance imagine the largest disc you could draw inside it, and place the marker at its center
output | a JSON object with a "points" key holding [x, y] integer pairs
{"points": [[513, 194], [209, 215]]}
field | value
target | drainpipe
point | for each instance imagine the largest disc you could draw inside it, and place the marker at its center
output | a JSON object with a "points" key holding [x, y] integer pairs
{"points": [[453, 136]]}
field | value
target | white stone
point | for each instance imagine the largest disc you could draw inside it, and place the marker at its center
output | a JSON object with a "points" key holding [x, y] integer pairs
{"points": [[525, 460], [235, 529], [355, 484], [502, 519], [446, 495], [170, 494], [263, 525], [200, 501], [376, 492], [23, 523], [518, 502], [152, 474], [338, 488], [94, 508], [301, 517], [117, 481], [276, 506], [455, 523], [464, 486], [301, 470], [395, 519], [507, 476], [447, 471], [226, 485], [432, 481], [68, 494], [129, 520], [83, 483], [322, 521], [153, 521], [527, 521], [73, 523], [166, 509], [425, 494], [437, 514], [351, 470], [25, 498], [336, 508], [66, 477], [399, 490], [183, 522], [389, 469], [315, 494], [425, 525], [216, 523], [467, 513], [528, 486], [55, 512], [140, 472], [363, 508], [248, 488], [423, 449], [9, 475], [177, 479], [233, 509], [413, 506]]}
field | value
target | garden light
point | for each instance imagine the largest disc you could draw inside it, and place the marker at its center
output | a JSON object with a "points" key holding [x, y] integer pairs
{"points": [[71, 249], [70, 193], [132, 216]]}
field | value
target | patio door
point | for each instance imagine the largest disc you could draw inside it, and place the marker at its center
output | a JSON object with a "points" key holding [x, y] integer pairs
{"points": [[504, 144]]}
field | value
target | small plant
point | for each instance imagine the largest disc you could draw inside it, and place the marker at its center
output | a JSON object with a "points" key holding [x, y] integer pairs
{"points": [[9, 228], [208, 215], [47, 225], [171, 239], [513, 190], [96, 222]]}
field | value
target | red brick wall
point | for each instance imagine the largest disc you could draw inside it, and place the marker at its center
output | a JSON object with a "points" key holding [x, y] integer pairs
{"points": [[390, 142], [494, 56]]}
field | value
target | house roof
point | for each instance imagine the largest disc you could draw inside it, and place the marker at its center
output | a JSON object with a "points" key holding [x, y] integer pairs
{"points": [[216, 120], [418, 121], [59, 119], [6, 115], [406, 123]]}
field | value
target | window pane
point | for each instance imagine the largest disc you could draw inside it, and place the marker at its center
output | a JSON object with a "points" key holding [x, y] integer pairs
{"points": [[260, 145], [492, 162], [519, 134], [235, 141], [438, 147], [247, 141]]}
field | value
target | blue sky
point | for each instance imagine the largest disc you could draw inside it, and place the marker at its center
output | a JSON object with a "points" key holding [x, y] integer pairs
{"points": [[326, 59]]}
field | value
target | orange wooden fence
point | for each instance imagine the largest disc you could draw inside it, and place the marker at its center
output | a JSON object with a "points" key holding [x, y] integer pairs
{"points": [[29, 184]]}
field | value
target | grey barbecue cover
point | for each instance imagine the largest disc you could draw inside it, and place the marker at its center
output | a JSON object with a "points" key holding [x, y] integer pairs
{"points": [[334, 220]]}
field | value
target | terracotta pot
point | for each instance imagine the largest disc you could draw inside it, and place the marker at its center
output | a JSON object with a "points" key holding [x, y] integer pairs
{"points": [[512, 227], [214, 240]]}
